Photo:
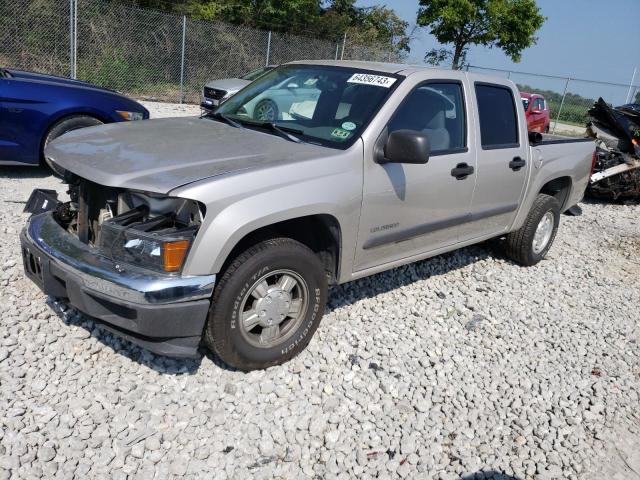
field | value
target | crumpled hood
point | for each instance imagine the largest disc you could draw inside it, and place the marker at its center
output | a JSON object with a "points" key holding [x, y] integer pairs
{"points": [[161, 155]]}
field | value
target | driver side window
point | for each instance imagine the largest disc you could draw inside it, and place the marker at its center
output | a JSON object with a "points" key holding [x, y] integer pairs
{"points": [[436, 109]]}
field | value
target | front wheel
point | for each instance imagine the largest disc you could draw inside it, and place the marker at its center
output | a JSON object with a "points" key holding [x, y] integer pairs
{"points": [[529, 244], [267, 305], [266, 111], [60, 128]]}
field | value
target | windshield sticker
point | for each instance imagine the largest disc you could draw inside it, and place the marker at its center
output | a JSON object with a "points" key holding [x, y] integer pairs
{"points": [[367, 79], [349, 126], [339, 133]]}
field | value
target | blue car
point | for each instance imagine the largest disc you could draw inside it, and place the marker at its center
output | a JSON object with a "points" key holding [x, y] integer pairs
{"points": [[36, 108]]}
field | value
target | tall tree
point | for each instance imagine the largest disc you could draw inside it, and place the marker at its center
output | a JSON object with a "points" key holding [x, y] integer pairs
{"points": [[510, 25]]}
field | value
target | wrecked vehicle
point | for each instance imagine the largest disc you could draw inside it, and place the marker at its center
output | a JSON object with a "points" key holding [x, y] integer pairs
{"points": [[229, 229], [616, 171]]}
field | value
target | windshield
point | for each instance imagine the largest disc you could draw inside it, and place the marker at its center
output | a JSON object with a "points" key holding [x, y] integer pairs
{"points": [[525, 102], [253, 74], [326, 105]]}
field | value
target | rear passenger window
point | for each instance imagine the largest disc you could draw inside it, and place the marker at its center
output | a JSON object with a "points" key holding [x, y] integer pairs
{"points": [[436, 109], [498, 119]]}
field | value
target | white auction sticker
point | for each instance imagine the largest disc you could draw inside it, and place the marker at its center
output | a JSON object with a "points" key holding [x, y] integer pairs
{"points": [[368, 79]]}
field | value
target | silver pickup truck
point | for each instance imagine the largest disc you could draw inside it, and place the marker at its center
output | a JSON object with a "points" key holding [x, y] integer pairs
{"points": [[228, 229]]}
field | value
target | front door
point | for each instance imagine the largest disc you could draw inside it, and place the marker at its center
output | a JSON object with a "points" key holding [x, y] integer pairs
{"points": [[410, 209]]}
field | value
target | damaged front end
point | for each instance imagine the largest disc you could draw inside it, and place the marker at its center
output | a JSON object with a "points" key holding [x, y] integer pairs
{"points": [[146, 230], [117, 255], [616, 169]]}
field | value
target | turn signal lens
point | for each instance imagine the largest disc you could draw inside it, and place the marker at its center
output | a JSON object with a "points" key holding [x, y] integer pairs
{"points": [[130, 115], [173, 254]]}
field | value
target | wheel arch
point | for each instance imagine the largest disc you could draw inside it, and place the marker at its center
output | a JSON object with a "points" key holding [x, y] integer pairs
{"points": [[53, 120], [560, 188], [320, 232]]}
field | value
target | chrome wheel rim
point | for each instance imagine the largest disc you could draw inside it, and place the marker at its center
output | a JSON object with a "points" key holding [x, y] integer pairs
{"points": [[273, 308], [266, 112], [543, 232]]}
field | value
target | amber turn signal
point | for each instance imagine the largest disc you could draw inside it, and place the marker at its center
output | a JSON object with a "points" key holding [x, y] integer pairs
{"points": [[173, 254]]}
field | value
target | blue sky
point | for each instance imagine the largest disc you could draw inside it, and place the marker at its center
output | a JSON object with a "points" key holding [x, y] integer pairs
{"points": [[590, 39]]}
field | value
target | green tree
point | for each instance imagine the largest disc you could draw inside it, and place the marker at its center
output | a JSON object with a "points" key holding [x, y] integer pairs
{"points": [[510, 25]]}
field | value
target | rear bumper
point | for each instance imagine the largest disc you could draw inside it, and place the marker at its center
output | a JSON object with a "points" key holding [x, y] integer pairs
{"points": [[165, 314]]}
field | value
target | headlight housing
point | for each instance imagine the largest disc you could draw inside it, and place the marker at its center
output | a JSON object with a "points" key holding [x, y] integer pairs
{"points": [[130, 115], [154, 251]]}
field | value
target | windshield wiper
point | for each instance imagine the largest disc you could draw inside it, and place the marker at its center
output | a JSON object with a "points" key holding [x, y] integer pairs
{"points": [[224, 118], [284, 132]]}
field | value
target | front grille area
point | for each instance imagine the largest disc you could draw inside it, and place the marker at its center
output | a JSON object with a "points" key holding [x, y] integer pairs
{"points": [[214, 93]]}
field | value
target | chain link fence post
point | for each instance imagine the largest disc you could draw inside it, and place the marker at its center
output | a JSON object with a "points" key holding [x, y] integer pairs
{"points": [[344, 43], [564, 95], [266, 63], [73, 38], [184, 38]]}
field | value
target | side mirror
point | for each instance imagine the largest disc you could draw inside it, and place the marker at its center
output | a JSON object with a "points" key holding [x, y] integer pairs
{"points": [[406, 146], [535, 137]]}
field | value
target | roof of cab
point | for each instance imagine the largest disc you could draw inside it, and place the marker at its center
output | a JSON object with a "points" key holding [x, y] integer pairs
{"points": [[364, 65], [406, 69]]}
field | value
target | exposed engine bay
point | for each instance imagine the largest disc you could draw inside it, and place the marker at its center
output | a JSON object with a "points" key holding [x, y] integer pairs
{"points": [[148, 230]]}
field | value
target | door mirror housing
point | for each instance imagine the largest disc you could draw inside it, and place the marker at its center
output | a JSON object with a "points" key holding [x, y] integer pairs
{"points": [[406, 146], [535, 137]]}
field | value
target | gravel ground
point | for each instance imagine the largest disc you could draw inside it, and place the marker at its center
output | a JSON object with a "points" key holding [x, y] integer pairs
{"points": [[465, 365]]}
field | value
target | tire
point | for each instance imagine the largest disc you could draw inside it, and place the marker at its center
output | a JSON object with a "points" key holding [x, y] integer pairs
{"points": [[266, 111], [60, 128], [521, 245], [232, 332]]}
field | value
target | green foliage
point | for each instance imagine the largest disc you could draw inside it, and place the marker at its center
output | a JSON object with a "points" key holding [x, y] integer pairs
{"points": [[510, 25], [637, 100], [316, 18], [112, 69]]}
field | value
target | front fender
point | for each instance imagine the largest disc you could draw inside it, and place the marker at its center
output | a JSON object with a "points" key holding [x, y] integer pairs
{"points": [[214, 244]]}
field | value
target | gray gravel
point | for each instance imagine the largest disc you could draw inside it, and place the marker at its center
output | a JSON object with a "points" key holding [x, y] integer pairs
{"points": [[443, 369]]}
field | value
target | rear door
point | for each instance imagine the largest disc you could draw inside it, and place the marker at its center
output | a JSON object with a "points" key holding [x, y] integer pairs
{"points": [[502, 163]]}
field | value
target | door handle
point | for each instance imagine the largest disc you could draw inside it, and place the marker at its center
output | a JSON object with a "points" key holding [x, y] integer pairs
{"points": [[462, 171], [516, 164]]}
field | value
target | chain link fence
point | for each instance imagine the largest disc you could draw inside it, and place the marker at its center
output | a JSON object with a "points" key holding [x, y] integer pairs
{"points": [[158, 56], [569, 99], [149, 54]]}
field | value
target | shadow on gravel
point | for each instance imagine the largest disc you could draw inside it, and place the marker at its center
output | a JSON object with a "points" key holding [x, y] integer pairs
{"points": [[15, 172], [352, 292], [488, 475]]}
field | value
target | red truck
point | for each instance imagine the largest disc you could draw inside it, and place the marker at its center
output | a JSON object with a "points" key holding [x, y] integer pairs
{"points": [[537, 112]]}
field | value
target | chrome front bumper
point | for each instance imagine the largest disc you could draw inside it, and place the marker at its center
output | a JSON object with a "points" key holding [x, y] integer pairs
{"points": [[164, 313], [99, 274]]}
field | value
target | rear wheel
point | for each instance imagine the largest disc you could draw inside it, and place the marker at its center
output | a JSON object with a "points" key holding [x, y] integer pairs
{"points": [[529, 244], [60, 128], [267, 305]]}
